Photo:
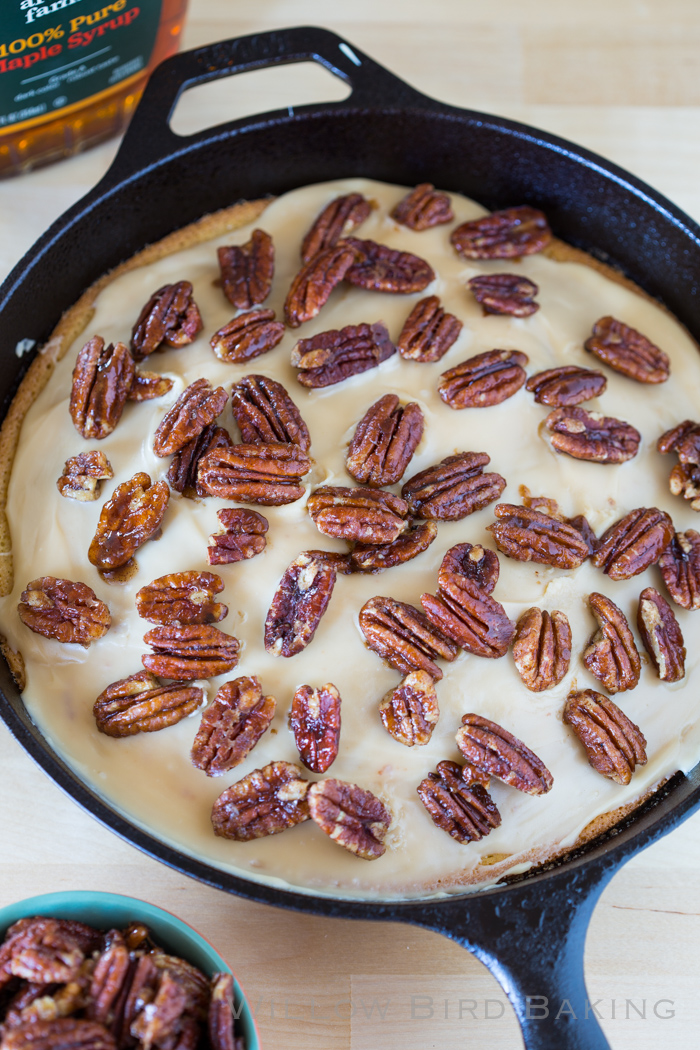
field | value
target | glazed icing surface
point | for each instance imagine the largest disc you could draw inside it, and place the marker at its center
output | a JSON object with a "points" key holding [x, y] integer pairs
{"points": [[149, 777]]}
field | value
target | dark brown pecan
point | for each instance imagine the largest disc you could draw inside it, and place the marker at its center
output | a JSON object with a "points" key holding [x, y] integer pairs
{"points": [[269, 475], [246, 336], [132, 516], [46, 951], [633, 543], [62, 1033], [384, 441], [483, 380], [108, 979], [526, 534], [267, 801], [242, 536], [507, 234], [614, 744], [379, 268], [182, 475], [82, 476], [542, 648], [661, 635], [145, 386], [410, 711], [170, 316], [477, 563], [685, 476], [505, 293], [465, 811], [266, 413], [165, 1019], [611, 654], [191, 651], [375, 557], [182, 597], [684, 480], [628, 351], [404, 637], [428, 332], [247, 270], [64, 610], [140, 704], [471, 618], [581, 524], [102, 378], [423, 208], [566, 385], [454, 488], [340, 217], [312, 286], [231, 726], [298, 604], [351, 816], [588, 435], [197, 406], [315, 722], [333, 356], [491, 749], [362, 514], [680, 569], [221, 1017]]}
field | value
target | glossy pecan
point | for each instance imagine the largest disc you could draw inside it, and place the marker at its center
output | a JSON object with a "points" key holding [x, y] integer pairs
{"points": [[614, 745], [64, 610], [410, 712], [376, 557], [351, 816], [340, 217], [267, 801], [684, 479], [191, 651], [566, 385], [384, 441], [311, 288], [454, 488], [483, 380], [315, 721], [477, 563], [491, 749], [423, 208], [507, 234], [266, 413], [247, 336], [428, 332], [269, 475], [182, 598], [102, 378], [661, 635], [170, 316], [231, 726], [146, 386], [131, 516], [247, 270], [526, 534], [379, 268], [628, 351], [680, 569], [505, 293], [182, 474], [242, 536], [611, 654], [362, 514], [45, 951], [469, 616], [298, 604], [542, 648], [140, 704], [465, 811], [333, 356], [221, 1016], [633, 543], [62, 1033], [589, 435], [404, 637], [83, 474], [109, 979], [197, 406]]}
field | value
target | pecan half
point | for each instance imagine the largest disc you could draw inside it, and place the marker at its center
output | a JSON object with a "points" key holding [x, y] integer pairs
{"points": [[680, 569], [471, 618], [633, 543], [82, 476], [340, 217], [247, 270], [376, 557], [661, 635], [182, 474], [246, 336], [404, 637], [132, 516], [62, 1033], [379, 268], [221, 1016], [191, 651], [197, 406], [315, 721], [526, 534], [351, 816], [108, 979], [483, 380], [477, 563], [410, 711], [628, 351], [140, 704], [269, 475], [64, 610], [614, 745], [298, 604], [542, 648], [312, 286], [505, 293], [333, 356], [684, 479], [423, 208], [589, 435], [102, 378], [146, 386], [182, 598], [362, 514], [611, 654], [465, 811], [566, 385], [267, 801], [428, 332], [507, 234], [231, 726], [46, 951], [384, 441], [266, 413], [170, 316], [454, 488], [491, 749], [242, 536]]}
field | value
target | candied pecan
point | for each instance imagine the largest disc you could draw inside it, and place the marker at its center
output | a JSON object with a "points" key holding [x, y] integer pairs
{"points": [[132, 516], [454, 488], [246, 336], [505, 293], [465, 811], [231, 726], [340, 217], [190, 651], [165, 1017], [680, 569], [182, 475], [140, 704], [220, 1019], [315, 722], [379, 268], [267, 801], [375, 557], [64, 610], [477, 563], [330, 357], [566, 385], [685, 476], [108, 979], [589, 435], [47, 951], [242, 536], [684, 480], [384, 441], [423, 208], [170, 316], [197, 406], [483, 380], [611, 654], [362, 514], [581, 524], [614, 744], [428, 332], [661, 635], [269, 474], [404, 636], [145, 386], [507, 234], [82, 476], [526, 534], [471, 618], [312, 286], [182, 597], [337, 560], [410, 711], [351, 816], [102, 378], [63, 1033], [542, 648], [491, 749], [247, 270], [633, 543], [298, 604], [628, 351], [266, 413]]}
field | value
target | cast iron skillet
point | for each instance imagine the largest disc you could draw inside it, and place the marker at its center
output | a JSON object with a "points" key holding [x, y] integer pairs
{"points": [[530, 933]]}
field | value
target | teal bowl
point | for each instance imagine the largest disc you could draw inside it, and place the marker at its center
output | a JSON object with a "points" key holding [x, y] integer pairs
{"points": [[112, 911]]}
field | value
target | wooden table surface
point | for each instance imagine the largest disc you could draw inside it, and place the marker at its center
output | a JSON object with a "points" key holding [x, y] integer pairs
{"points": [[621, 78]]}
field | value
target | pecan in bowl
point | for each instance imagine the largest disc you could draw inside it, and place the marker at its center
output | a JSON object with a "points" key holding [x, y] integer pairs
{"points": [[384, 441]]}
